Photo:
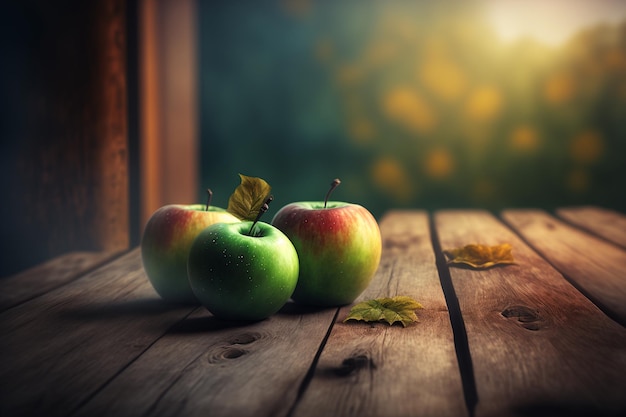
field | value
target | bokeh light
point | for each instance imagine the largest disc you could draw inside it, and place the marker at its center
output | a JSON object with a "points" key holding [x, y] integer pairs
{"points": [[416, 104], [525, 139], [390, 176], [406, 107], [439, 164], [587, 147]]}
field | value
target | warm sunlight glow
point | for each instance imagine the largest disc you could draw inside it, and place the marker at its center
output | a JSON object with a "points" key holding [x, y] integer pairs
{"points": [[550, 22], [428, 104]]}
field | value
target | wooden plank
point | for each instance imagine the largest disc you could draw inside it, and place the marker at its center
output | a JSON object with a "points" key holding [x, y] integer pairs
{"points": [[50, 275], [590, 263], [58, 349], [168, 100], [609, 224], [538, 346], [378, 370], [210, 367]]}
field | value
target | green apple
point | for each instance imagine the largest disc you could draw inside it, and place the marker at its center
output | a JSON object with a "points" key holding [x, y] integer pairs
{"points": [[165, 245], [338, 245], [242, 271]]}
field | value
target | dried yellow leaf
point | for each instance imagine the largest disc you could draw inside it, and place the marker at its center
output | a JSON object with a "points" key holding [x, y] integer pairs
{"points": [[481, 256], [247, 199], [400, 308]]}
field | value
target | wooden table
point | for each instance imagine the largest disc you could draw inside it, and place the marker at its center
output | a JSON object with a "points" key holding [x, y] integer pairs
{"points": [[83, 336]]}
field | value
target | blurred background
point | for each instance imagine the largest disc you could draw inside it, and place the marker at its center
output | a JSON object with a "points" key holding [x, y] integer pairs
{"points": [[416, 104], [113, 108]]}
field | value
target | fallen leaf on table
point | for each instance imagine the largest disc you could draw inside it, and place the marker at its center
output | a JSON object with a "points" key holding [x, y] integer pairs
{"points": [[391, 310], [481, 256], [247, 199]]}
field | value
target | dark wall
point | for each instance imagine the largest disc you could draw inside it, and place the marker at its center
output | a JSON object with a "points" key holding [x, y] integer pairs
{"points": [[64, 147]]}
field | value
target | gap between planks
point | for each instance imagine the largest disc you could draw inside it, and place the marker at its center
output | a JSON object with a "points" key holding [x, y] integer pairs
{"points": [[232, 347], [65, 344], [592, 264], [537, 344], [607, 224], [459, 331], [373, 369]]}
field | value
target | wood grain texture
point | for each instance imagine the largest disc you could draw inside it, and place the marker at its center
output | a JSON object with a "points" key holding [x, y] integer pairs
{"points": [[168, 100], [538, 346], [59, 349], [378, 370], [593, 265], [108, 125], [609, 224], [206, 366], [48, 276]]}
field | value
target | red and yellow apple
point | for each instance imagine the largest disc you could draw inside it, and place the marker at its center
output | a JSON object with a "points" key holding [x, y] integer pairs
{"points": [[166, 242], [338, 245]]}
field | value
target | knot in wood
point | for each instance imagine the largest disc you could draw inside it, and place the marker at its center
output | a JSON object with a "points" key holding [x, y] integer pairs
{"points": [[225, 353], [525, 316], [233, 353], [400, 241], [354, 364], [244, 338]]}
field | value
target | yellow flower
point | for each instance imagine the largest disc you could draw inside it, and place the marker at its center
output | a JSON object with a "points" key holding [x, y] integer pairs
{"points": [[439, 163], [443, 78], [389, 175], [406, 107], [484, 104], [524, 138], [559, 88]]}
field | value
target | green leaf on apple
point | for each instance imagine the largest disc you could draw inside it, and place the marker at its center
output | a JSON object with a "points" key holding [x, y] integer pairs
{"points": [[247, 199], [400, 308]]}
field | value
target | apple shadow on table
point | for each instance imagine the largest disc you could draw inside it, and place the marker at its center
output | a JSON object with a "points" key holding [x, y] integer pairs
{"points": [[143, 307], [210, 323], [292, 308]]}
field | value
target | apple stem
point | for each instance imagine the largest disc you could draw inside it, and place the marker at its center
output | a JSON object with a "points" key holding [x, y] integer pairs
{"points": [[333, 185], [208, 201], [262, 210]]}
